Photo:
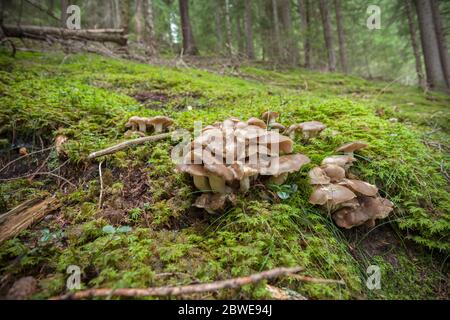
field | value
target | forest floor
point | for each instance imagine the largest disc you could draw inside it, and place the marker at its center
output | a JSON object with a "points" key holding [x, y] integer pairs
{"points": [[146, 233]]}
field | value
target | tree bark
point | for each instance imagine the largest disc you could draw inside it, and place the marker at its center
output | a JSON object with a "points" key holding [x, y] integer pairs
{"points": [[430, 48], [149, 26], [138, 17], [291, 50], [304, 11], [442, 41], [228, 28], [239, 35], [64, 5], [125, 15], [276, 28], [414, 44], [218, 22], [341, 36], [189, 46], [323, 4], [248, 25], [40, 33]]}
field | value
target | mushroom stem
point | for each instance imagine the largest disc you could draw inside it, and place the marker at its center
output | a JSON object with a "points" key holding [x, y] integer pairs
{"points": [[217, 184], [201, 183], [279, 179], [158, 127], [292, 135], [245, 184], [142, 127]]}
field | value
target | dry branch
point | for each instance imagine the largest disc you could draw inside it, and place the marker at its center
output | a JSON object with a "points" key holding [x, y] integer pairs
{"points": [[183, 290], [23, 216], [42, 33], [127, 144]]}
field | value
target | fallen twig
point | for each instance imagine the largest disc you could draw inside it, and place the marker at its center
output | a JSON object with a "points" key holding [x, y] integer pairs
{"points": [[183, 290], [128, 143], [100, 198]]}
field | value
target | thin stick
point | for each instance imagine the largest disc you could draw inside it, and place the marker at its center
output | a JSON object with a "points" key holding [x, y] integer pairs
{"points": [[127, 144], [101, 185], [183, 290]]}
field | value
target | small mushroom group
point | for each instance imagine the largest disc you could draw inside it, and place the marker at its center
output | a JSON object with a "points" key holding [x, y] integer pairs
{"points": [[350, 201], [229, 156], [140, 125]]}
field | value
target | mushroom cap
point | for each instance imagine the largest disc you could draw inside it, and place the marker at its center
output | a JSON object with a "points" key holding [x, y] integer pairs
{"points": [[312, 126], [350, 217], [343, 161], [165, 121], [331, 194], [335, 172], [378, 207], [256, 122], [271, 138], [318, 176], [193, 169], [292, 128], [213, 202], [270, 115], [351, 146], [240, 170], [135, 120], [286, 164], [360, 187], [276, 125]]}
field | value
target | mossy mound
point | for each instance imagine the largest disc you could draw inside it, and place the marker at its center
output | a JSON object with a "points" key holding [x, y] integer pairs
{"points": [[89, 99]]}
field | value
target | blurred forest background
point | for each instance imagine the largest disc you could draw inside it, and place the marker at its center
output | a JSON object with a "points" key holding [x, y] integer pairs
{"points": [[325, 35]]}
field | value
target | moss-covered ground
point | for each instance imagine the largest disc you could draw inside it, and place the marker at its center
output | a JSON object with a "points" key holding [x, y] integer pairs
{"points": [[159, 239]]}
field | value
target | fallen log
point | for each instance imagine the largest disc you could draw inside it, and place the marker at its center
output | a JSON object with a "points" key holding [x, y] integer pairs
{"points": [[182, 290], [23, 216], [128, 143], [41, 33]]}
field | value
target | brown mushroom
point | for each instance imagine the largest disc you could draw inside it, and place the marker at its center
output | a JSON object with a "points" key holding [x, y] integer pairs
{"points": [[23, 151], [331, 195], [360, 187], [243, 173], [280, 167], [335, 172], [312, 129], [293, 130], [60, 140], [318, 176], [136, 123], [213, 202], [199, 174], [256, 122], [270, 116], [351, 147], [159, 123], [343, 161], [277, 126]]}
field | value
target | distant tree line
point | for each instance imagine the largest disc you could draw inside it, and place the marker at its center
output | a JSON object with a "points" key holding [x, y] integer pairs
{"points": [[328, 35]]}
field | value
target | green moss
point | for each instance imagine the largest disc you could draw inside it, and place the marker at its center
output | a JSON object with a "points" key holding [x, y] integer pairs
{"points": [[90, 98]]}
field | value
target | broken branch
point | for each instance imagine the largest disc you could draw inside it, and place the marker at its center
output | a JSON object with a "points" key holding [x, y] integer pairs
{"points": [[182, 290], [127, 144]]}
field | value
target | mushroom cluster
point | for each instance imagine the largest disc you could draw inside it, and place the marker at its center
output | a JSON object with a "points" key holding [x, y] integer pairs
{"points": [[229, 156], [309, 129], [351, 202], [140, 125]]}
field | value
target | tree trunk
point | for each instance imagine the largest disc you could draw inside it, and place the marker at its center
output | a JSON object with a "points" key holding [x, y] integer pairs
{"points": [[239, 34], [125, 15], [248, 25], [442, 41], [189, 46], [138, 17], [64, 5], [276, 28], [414, 44], [117, 21], [228, 27], [149, 26], [430, 48], [323, 4], [305, 14], [219, 30], [341, 36], [40, 33], [291, 50]]}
